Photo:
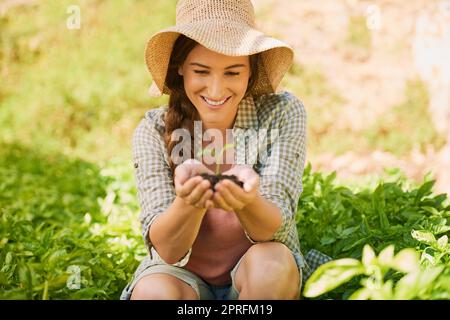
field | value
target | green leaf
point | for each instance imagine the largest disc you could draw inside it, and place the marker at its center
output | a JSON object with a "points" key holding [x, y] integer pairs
{"points": [[411, 285], [406, 261], [368, 257], [386, 256], [442, 242], [364, 225], [361, 294], [327, 240], [425, 189], [431, 210], [385, 292], [423, 236], [331, 275]]}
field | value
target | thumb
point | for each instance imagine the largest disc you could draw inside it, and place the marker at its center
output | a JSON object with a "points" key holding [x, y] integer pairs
{"points": [[251, 184]]}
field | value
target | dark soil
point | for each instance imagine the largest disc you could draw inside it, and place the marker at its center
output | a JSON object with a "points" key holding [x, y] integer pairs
{"points": [[213, 179]]}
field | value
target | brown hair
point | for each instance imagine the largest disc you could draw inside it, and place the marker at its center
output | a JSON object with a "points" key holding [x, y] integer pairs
{"points": [[180, 107]]}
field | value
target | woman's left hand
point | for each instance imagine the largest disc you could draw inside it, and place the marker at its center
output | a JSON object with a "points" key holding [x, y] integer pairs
{"points": [[231, 197]]}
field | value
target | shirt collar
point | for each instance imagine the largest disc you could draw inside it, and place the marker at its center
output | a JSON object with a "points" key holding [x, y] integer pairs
{"points": [[246, 117]]}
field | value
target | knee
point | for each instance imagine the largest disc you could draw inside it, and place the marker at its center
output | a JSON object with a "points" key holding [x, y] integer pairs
{"points": [[272, 259], [156, 287], [272, 268], [155, 290]]}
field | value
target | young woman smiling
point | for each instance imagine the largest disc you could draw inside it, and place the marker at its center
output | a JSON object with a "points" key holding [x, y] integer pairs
{"points": [[225, 242]]}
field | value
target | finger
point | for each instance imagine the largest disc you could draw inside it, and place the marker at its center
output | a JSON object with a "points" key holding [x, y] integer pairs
{"points": [[201, 168], [181, 175], [198, 192], [218, 199], [196, 167], [245, 173], [252, 183], [185, 189], [210, 203], [233, 188], [206, 196], [188, 169], [230, 199]]}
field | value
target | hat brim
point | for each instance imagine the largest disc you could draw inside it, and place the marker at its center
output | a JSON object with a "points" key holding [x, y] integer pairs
{"points": [[225, 37]]}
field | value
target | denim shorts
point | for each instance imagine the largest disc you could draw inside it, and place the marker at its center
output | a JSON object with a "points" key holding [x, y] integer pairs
{"points": [[204, 290]]}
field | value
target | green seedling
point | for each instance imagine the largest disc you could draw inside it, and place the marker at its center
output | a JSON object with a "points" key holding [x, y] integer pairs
{"points": [[211, 151], [214, 179]]}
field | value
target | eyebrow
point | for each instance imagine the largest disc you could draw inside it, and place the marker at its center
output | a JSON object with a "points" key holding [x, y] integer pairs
{"points": [[229, 67]]}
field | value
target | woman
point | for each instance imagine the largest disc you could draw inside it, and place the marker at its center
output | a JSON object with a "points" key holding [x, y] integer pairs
{"points": [[222, 241]]}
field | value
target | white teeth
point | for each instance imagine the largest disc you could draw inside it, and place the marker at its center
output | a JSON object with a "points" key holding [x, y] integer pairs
{"points": [[214, 103]]}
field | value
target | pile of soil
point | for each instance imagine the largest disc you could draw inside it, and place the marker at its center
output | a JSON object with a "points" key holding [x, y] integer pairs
{"points": [[214, 179]]}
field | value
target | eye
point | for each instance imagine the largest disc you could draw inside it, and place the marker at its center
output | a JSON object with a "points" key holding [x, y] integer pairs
{"points": [[227, 73], [201, 71]]}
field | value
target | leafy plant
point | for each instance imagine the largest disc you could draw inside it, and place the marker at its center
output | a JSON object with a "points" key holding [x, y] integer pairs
{"points": [[62, 218], [417, 282], [340, 222]]}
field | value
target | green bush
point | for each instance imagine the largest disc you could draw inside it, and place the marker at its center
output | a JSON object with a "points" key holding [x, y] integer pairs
{"points": [[339, 222], [59, 215]]}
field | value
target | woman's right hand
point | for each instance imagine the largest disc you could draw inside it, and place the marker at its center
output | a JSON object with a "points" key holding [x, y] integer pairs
{"points": [[193, 189]]}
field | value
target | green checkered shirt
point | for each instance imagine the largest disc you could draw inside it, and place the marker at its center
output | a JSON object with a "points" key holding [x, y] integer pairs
{"points": [[280, 169]]}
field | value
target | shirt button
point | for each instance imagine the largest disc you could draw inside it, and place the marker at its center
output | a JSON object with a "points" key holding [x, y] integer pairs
{"points": [[136, 165]]}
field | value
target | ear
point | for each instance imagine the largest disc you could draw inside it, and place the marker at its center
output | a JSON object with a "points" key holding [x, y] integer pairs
{"points": [[180, 71]]}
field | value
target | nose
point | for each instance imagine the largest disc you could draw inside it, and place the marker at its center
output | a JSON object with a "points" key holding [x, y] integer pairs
{"points": [[216, 88]]}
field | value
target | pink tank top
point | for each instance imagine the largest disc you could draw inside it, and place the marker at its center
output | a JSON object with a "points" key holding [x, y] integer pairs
{"points": [[219, 245]]}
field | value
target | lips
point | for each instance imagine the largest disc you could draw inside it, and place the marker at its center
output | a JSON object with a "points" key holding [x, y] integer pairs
{"points": [[215, 106]]}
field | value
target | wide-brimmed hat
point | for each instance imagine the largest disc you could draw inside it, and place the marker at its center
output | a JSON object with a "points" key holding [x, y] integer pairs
{"points": [[224, 26]]}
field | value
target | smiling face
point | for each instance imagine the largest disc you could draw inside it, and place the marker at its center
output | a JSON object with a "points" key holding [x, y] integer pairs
{"points": [[215, 84]]}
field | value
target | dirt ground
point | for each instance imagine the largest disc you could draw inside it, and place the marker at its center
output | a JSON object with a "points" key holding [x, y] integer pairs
{"points": [[409, 39]]}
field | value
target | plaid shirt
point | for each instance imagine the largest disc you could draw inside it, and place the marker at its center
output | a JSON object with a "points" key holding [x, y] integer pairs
{"points": [[280, 169]]}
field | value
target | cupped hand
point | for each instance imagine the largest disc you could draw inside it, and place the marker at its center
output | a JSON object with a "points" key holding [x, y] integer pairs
{"points": [[231, 197], [192, 188]]}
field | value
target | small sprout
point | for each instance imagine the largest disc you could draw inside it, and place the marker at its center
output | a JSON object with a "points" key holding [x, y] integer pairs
{"points": [[211, 151]]}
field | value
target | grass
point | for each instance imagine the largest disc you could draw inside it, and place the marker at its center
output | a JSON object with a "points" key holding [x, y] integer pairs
{"points": [[84, 88]]}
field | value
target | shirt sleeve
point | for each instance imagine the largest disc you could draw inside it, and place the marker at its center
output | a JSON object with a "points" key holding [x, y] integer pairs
{"points": [[156, 191], [281, 173]]}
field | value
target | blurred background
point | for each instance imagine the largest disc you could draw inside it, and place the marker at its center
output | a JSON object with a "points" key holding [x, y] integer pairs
{"points": [[374, 77]]}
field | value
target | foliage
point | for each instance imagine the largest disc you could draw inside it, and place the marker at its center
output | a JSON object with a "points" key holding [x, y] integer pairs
{"points": [[337, 221], [416, 283], [58, 214]]}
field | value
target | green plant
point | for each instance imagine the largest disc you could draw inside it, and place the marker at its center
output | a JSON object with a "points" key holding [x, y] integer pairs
{"points": [[340, 222], [60, 215], [218, 158], [416, 283]]}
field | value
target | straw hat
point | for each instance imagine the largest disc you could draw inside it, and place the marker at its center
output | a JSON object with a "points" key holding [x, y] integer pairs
{"points": [[224, 26]]}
